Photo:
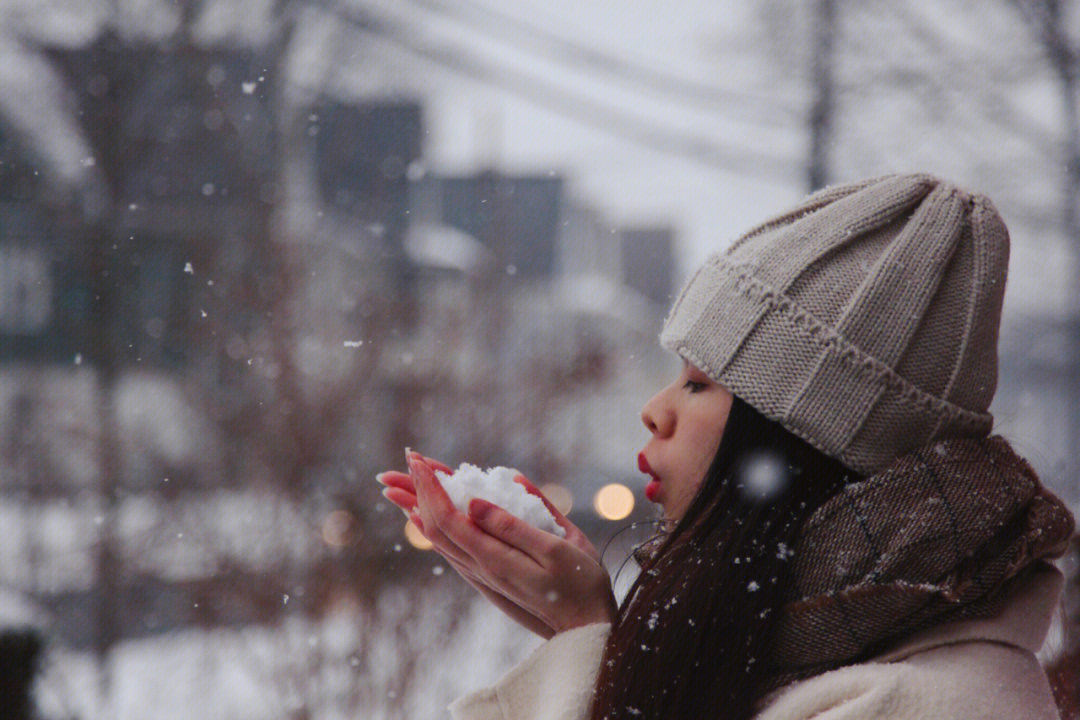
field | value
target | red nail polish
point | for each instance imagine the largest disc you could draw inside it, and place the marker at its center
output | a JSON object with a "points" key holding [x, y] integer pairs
{"points": [[479, 509]]}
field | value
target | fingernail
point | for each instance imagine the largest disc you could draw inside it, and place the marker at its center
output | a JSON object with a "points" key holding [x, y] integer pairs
{"points": [[379, 478]]}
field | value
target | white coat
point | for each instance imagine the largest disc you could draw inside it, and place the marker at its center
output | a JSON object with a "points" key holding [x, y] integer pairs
{"points": [[982, 669]]}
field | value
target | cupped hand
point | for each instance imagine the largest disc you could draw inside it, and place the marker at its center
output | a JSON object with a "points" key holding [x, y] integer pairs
{"points": [[400, 490], [546, 583]]}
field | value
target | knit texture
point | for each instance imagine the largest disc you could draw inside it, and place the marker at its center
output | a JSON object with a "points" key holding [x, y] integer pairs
{"points": [[940, 535], [865, 320]]}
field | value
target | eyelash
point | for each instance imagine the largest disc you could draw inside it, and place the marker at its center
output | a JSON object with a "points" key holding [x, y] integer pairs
{"points": [[694, 387]]}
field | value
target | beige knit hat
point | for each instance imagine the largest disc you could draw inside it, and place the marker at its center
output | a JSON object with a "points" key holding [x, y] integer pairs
{"points": [[865, 320]]}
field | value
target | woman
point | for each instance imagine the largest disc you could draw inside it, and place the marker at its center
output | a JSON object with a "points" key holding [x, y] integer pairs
{"points": [[847, 541]]}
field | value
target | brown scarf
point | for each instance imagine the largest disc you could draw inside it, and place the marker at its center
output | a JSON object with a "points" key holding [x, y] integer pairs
{"points": [[936, 536]]}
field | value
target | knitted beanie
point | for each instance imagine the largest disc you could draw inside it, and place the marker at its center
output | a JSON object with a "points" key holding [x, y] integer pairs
{"points": [[865, 320]]}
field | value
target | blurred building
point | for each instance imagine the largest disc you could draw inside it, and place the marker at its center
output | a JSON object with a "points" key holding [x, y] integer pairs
{"points": [[515, 218], [364, 156], [648, 260]]}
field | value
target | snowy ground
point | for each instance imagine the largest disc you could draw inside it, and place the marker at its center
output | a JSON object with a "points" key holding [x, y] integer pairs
{"points": [[392, 665]]}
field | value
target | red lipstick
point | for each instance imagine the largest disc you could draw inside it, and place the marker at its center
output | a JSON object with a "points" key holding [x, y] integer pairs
{"points": [[652, 490]]}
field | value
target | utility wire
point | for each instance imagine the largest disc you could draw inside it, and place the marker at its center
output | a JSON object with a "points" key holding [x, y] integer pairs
{"points": [[657, 137], [760, 109]]}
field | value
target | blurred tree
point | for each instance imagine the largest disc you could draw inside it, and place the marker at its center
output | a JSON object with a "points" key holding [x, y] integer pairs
{"points": [[1055, 27], [289, 314], [822, 107], [195, 147]]}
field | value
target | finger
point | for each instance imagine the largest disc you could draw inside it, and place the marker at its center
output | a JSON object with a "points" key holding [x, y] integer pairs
{"points": [[533, 490], [393, 478], [513, 531], [573, 532], [505, 565], [436, 465], [431, 462], [441, 544], [435, 509], [414, 518], [404, 500], [429, 490]]}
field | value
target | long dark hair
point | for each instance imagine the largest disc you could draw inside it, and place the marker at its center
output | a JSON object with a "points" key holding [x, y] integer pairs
{"points": [[692, 639]]}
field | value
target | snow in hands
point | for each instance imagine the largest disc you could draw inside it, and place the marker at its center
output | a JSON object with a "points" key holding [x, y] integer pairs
{"points": [[497, 486]]}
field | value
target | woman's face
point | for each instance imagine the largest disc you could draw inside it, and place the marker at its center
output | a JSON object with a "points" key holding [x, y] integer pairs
{"points": [[686, 420]]}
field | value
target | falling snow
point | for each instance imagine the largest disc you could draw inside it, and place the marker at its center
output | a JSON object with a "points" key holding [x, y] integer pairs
{"points": [[763, 476]]}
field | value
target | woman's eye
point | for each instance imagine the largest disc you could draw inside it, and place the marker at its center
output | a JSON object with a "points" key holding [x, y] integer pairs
{"points": [[694, 386]]}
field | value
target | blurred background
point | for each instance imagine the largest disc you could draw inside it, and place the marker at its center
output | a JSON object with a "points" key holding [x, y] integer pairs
{"points": [[250, 250]]}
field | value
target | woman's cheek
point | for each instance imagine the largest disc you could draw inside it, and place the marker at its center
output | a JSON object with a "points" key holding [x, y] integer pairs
{"points": [[705, 459]]}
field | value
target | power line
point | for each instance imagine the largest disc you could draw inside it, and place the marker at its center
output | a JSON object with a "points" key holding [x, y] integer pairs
{"points": [[657, 137], [760, 109]]}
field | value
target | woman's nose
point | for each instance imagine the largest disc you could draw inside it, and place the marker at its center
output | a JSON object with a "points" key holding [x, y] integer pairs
{"points": [[657, 416]]}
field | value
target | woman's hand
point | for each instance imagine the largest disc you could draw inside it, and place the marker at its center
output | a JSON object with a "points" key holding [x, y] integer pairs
{"points": [[401, 491], [546, 583]]}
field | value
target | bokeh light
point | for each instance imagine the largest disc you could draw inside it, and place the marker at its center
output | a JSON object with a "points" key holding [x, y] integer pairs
{"points": [[560, 497], [339, 528], [763, 476], [416, 538], [614, 501]]}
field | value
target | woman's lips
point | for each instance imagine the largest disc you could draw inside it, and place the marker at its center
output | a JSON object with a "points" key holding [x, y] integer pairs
{"points": [[652, 490]]}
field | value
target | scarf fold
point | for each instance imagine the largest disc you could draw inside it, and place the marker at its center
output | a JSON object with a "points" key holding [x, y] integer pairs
{"points": [[940, 534]]}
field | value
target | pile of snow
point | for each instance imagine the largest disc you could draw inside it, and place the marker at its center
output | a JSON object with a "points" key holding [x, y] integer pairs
{"points": [[497, 486]]}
